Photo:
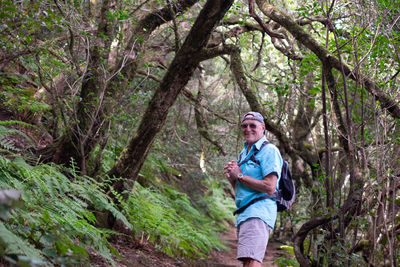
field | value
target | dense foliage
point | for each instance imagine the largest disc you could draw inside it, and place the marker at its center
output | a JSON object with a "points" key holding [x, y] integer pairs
{"points": [[54, 221]]}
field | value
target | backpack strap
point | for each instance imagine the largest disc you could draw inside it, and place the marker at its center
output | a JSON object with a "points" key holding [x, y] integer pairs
{"points": [[253, 156], [240, 210]]}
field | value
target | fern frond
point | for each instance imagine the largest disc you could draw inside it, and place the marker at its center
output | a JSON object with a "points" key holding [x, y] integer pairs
{"points": [[8, 145], [20, 123], [5, 141], [12, 244]]}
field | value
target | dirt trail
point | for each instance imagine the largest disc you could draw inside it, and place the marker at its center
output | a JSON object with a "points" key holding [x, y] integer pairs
{"points": [[134, 254], [228, 257]]}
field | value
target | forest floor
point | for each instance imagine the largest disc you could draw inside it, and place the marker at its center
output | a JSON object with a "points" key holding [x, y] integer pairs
{"points": [[135, 253]]}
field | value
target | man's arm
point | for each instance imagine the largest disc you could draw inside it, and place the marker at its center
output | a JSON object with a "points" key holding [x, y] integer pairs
{"points": [[267, 185]]}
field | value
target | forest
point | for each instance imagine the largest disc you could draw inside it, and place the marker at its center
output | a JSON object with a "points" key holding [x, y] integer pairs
{"points": [[118, 116]]}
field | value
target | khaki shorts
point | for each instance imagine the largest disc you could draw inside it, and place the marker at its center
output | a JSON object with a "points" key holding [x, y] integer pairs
{"points": [[253, 237]]}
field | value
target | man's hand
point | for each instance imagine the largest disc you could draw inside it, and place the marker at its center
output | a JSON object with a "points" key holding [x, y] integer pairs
{"points": [[231, 171]]}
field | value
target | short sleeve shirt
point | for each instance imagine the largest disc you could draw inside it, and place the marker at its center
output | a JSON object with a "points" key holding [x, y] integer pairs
{"points": [[270, 161]]}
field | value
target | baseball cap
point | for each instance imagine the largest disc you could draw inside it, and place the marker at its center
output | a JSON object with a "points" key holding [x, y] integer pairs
{"points": [[256, 116]]}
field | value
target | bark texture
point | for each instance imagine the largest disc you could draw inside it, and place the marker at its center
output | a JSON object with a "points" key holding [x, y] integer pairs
{"points": [[302, 234]]}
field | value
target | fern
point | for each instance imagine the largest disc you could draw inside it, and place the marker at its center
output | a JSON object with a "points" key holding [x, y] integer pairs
{"points": [[13, 245], [55, 215], [5, 141], [171, 221]]}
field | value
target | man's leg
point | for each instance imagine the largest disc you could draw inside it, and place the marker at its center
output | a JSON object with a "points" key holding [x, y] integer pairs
{"points": [[248, 262], [253, 237]]}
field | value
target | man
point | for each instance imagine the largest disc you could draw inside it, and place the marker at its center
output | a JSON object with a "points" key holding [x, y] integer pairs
{"points": [[253, 179]]}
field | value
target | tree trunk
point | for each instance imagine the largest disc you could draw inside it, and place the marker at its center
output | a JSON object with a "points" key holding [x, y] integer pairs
{"points": [[181, 69], [90, 125], [83, 134]]}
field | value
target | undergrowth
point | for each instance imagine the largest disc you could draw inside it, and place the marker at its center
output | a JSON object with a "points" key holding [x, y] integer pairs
{"points": [[169, 219], [179, 224], [54, 224]]}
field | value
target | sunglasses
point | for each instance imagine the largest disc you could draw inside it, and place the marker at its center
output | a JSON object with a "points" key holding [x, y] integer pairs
{"points": [[252, 125]]}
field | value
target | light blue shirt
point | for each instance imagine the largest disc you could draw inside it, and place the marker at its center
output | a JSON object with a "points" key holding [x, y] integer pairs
{"points": [[270, 161]]}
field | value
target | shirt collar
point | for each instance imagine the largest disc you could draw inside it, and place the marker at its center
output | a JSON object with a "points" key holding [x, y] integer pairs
{"points": [[258, 143]]}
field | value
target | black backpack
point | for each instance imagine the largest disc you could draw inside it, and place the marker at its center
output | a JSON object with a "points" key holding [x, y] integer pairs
{"points": [[285, 197]]}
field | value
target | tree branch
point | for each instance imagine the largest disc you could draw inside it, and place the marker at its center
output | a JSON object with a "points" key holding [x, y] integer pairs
{"points": [[325, 56], [262, 24], [186, 93], [302, 234], [234, 32], [213, 52]]}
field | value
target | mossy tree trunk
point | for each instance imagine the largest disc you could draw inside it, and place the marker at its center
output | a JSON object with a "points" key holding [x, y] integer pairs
{"points": [[180, 71]]}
